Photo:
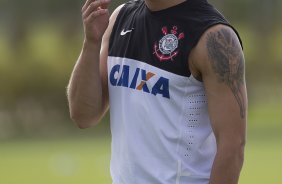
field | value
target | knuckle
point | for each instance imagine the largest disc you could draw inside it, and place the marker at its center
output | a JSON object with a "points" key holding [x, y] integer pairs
{"points": [[94, 4], [94, 14], [83, 16], [91, 4], [83, 8]]}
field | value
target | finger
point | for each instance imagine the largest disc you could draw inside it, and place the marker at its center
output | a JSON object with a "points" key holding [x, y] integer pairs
{"points": [[101, 3], [87, 3], [96, 14], [94, 6], [106, 4]]}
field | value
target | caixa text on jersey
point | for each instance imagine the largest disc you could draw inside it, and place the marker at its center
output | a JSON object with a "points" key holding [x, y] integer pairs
{"points": [[139, 79]]}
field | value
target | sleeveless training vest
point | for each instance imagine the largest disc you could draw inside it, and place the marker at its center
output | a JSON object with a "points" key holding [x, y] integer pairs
{"points": [[161, 131]]}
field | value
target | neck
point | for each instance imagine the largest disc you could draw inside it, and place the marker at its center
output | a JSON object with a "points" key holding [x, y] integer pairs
{"points": [[156, 5]]}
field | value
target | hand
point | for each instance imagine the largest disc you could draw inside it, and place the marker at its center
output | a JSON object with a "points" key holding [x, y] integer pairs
{"points": [[95, 16]]}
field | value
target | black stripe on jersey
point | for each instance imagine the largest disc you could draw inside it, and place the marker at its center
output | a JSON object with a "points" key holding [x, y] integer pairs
{"points": [[165, 38]]}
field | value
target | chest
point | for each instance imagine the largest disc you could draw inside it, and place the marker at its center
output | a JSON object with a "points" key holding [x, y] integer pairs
{"points": [[163, 43]]}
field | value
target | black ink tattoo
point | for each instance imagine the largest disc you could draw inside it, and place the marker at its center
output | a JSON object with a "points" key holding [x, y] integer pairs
{"points": [[228, 63]]}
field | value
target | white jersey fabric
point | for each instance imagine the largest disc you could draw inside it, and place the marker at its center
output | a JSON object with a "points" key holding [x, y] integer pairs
{"points": [[161, 132]]}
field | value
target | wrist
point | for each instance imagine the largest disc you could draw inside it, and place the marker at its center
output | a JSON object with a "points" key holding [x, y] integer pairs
{"points": [[89, 44]]}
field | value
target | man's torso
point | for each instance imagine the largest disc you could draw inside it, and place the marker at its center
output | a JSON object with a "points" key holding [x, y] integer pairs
{"points": [[161, 132]]}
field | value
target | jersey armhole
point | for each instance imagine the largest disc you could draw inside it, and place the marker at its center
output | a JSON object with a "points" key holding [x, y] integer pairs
{"points": [[116, 24], [200, 34], [198, 37]]}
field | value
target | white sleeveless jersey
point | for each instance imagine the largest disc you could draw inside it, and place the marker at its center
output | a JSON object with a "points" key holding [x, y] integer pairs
{"points": [[161, 131]]}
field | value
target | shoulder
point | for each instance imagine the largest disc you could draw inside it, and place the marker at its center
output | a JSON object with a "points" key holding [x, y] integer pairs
{"points": [[223, 35], [218, 35], [219, 43], [116, 13], [112, 21], [124, 9], [132, 5]]}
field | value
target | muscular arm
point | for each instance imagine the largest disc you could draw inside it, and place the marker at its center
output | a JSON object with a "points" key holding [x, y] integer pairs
{"points": [[88, 88], [219, 59]]}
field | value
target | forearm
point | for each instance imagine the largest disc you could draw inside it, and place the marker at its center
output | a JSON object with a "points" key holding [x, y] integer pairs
{"points": [[85, 88], [227, 165]]}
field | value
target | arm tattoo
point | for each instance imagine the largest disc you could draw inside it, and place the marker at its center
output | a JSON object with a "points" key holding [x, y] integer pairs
{"points": [[228, 63]]}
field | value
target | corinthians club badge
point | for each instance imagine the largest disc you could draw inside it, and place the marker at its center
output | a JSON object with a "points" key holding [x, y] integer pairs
{"points": [[167, 47]]}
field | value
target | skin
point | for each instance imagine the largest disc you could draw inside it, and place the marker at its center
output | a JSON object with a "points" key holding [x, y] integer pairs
{"points": [[88, 88], [217, 61]]}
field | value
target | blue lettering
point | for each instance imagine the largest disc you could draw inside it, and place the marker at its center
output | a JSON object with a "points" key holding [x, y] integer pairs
{"points": [[134, 80], [161, 87], [123, 81], [115, 70]]}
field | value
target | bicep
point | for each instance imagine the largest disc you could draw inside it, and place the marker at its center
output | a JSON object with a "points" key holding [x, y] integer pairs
{"points": [[223, 73]]}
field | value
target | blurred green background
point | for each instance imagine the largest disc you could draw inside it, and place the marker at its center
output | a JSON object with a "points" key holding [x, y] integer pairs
{"points": [[39, 43]]}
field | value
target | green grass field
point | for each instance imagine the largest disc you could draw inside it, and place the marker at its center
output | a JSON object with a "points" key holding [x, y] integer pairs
{"points": [[86, 160], [68, 161]]}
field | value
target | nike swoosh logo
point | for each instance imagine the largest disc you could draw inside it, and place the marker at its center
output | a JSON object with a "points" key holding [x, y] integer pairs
{"points": [[125, 32]]}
